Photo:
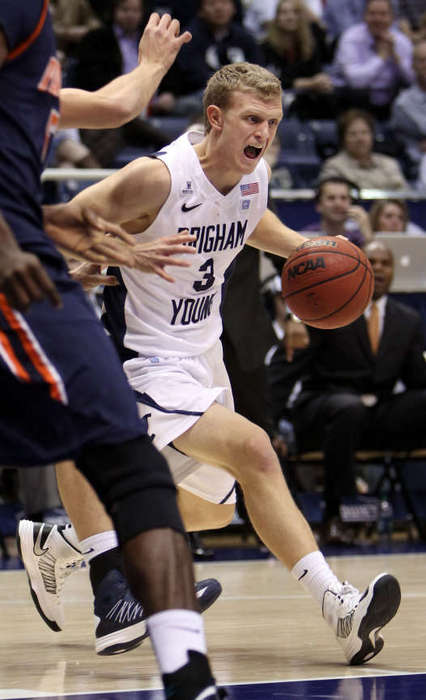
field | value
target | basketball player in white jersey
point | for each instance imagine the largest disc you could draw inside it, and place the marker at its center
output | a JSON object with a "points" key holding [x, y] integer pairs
{"points": [[216, 185]]}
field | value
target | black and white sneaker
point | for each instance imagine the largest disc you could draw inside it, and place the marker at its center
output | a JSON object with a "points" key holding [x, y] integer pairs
{"points": [[120, 619], [194, 681], [358, 618], [49, 554]]}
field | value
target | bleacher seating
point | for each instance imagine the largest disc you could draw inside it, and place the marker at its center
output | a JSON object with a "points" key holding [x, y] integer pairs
{"points": [[171, 126], [298, 152]]}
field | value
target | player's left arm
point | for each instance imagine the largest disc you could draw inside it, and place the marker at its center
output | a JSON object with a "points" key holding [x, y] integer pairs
{"points": [[272, 236]]}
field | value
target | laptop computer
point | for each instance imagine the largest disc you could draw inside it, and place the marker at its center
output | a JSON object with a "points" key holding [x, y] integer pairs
{"points": [[410, 261]]}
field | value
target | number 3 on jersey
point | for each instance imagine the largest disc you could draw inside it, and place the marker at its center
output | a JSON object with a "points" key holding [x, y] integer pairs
{"points": [[207, 279]]}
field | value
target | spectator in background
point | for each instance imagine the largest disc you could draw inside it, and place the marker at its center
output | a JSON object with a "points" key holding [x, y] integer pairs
{"points": [[315, 9], [280, 174], [339, 216], [102, 55], [392, 216], [185, 10], [373, 60], [71, 21], [340, 15], [409, 109], [258, 15], [69, 152], [216, 41], [347, 400], [295, 49], [412, 19], [356, 161]]}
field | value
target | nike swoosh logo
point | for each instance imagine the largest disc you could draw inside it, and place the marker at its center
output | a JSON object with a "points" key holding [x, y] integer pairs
{"points": [[304, 574], [88, 551], [201, 592], [186, 208], [37, 549]]}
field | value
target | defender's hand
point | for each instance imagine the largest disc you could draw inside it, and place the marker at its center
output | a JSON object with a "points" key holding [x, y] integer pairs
{"points": [[161, 41], [154, 256], [23, 280], [87, 236]]}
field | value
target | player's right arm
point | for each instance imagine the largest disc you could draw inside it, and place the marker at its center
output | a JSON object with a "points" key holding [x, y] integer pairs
{"points": [[133, 193], [131, 198], [125, 97]]}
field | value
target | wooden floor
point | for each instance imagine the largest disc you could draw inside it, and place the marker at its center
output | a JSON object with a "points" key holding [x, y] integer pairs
{"points": [[262, 629]]}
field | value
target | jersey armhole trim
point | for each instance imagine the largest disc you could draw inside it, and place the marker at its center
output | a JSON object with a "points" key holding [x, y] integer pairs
{"points": [[33, 36]]}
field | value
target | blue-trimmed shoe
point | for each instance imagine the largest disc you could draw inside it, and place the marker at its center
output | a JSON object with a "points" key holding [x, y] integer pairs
{"points": [[120, 619]]}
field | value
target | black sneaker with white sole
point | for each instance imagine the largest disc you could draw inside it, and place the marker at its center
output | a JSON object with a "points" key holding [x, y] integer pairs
{"points": [[120, 619], [194, 681]]}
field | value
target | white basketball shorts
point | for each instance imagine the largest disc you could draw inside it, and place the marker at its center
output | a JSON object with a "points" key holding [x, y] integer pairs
{"points": [[172, 393]]}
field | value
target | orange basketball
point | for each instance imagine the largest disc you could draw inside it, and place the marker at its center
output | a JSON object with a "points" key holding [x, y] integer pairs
{"points": [[327, 282]]}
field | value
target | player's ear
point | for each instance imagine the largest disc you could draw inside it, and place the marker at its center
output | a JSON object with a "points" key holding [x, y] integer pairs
{"points": [[215, 116]]}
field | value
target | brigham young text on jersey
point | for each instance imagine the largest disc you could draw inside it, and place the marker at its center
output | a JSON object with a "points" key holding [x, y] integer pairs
{"points": [[148, 316]]}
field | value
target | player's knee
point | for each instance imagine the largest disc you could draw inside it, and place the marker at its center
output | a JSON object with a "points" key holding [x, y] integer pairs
{"points": [[259, 456]]}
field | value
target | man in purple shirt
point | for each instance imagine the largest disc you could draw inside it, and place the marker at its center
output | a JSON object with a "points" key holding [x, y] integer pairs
{"points": [[339, 216], [373, 60]]}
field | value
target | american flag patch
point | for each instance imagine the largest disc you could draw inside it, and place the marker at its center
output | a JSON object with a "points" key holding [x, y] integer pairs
{"points": [[252, 188]]}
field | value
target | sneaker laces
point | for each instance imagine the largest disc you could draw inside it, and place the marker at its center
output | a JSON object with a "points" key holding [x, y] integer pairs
{"points": [[347, 600], [125, 611]]}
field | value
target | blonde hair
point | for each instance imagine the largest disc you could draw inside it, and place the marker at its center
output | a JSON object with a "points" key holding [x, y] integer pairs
{"points": [[245, 77], [303, 41], [377, 207]]}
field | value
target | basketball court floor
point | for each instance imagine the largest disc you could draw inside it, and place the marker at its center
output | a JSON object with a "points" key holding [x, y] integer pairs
{"points": [[266, 639]]}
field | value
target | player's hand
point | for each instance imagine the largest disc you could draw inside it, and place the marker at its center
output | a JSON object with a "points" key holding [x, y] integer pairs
{"points": [[23, 280], [90, 275], [161, 41], [154, 256], [85, 235]]}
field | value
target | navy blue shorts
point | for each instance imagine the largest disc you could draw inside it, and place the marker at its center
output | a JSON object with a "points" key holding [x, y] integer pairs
{"points": [[62, 386]]}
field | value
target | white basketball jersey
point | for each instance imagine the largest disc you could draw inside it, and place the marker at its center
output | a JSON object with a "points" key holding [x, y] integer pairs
{"points": [[183, 318]]}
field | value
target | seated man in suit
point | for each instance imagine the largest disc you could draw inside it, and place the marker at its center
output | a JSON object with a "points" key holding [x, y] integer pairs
{"points": [[351, 393]]}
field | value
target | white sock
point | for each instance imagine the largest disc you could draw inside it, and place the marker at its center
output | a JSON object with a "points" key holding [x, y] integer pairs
{"points": [[315, 575], [98, 544], [70, 535], [173, 633]]}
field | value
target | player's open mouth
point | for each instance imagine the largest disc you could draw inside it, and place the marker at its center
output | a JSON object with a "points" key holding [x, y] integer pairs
{"points": [[252, 152]]}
